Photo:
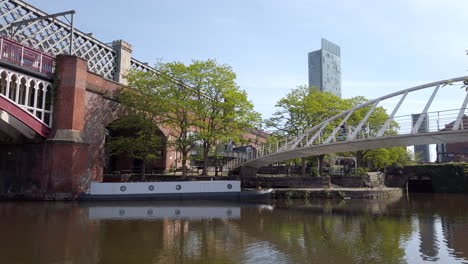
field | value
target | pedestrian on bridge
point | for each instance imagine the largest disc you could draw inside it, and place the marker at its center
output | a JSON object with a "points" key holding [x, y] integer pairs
{"points": [[344, 132]]}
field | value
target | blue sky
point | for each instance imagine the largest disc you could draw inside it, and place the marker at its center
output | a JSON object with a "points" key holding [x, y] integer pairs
{"points": [[385, 45]]}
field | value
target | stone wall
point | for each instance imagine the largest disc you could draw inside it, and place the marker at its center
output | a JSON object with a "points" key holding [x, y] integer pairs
{"points": [[396, 180], [371, 180], [385, 193], [285, 182], [443, 178]]}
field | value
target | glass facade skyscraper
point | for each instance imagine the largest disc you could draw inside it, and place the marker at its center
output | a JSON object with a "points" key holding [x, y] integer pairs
{"points": [[325, 68]]}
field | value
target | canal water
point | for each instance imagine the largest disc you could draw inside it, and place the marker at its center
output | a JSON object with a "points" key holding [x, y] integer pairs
{"points": [[417, 229]]}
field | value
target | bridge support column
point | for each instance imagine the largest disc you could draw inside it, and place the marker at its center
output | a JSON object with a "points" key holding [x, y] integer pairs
{"points": [[67, 157], [124, 57], [248, 172]]}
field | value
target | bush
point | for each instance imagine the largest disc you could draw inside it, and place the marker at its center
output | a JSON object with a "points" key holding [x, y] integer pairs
{"points": [[362, 171], [314, 172]]}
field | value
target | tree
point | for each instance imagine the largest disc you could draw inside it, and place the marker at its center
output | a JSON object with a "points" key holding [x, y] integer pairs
{"points": [[197, 103], [303, 108], [384, 157], [221, 107], [180, 107], [306, 107], [144, 114]]}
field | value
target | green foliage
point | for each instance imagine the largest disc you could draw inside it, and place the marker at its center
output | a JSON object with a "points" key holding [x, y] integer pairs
{"points": [[141, 136], [306, 107], [179, 107], [341, 194], [303, 108], [221, 108], [199, 103], [362, 171], [383, 157], [314, 172]]}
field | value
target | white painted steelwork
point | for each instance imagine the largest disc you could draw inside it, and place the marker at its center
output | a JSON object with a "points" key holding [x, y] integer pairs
{"points": [[104, 188], [30, 93], [311, 141]]}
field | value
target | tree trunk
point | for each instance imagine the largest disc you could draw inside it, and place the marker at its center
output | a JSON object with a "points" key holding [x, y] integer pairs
{"points": [[360, 158], [184, 163], [205, 159], [143, 170], [319, 166], [321, 157], [303, 166]]}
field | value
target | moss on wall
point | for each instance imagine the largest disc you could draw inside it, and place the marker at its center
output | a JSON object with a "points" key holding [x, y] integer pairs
{"points": [[446, 178]]}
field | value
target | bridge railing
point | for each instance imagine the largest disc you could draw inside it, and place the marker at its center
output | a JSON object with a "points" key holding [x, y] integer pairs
{"points": [[52, 36], [32, 94], [21, 55]]}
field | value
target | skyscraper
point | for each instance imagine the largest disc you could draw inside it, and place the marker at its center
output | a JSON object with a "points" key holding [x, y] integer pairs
{"points": [[325, 68]]}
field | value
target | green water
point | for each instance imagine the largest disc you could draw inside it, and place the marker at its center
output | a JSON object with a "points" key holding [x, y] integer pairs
{"points": [[421, 229]]}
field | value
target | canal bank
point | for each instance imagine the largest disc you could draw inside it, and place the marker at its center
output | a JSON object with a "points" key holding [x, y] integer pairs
{"points": [[338, 193], [432, 178]]}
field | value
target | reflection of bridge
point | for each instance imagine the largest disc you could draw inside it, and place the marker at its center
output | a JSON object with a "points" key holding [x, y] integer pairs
{"points": [[392, 132]]}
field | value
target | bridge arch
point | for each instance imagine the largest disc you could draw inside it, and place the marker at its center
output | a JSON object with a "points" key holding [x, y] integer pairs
{"points": [[321, 138], [123, 163]]}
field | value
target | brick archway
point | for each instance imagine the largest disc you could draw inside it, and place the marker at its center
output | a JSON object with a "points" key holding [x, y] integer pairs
{"points": [[123, 163]]}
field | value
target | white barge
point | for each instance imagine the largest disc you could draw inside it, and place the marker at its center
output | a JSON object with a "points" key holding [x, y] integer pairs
{"points": [[230, 190]]}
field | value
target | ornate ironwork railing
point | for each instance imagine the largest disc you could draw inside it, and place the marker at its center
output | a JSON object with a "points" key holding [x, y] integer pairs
{"points": [[30, 93], [16, 53], [52, 36]]}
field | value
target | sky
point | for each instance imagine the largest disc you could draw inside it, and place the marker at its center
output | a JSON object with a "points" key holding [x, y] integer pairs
{"points": [[386, 46]]}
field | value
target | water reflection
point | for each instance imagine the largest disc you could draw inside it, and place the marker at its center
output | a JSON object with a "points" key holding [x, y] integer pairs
{"points": [[162, 210], [422, 229], [429, 246]]}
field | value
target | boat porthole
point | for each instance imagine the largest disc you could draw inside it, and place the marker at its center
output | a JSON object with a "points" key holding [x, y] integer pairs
{"points": [[177, 212], [151, 188], [150, 212], [123, 188], [229, 186], [178, 187], [121, 212], [229, 212]]}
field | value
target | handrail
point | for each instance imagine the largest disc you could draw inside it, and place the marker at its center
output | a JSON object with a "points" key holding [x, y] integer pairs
{"points": [[370, 102], [24, 56]]}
